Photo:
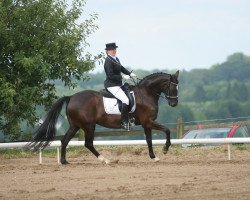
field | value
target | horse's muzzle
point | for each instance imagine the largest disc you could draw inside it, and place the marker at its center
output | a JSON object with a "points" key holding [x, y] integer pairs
{"points": [[173, 104]]}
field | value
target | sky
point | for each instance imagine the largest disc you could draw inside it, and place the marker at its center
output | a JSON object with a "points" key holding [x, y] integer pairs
{"points": [[170, 34]]}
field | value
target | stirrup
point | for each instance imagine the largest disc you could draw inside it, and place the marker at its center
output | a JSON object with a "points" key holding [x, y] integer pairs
{"points": [[132, 121]]}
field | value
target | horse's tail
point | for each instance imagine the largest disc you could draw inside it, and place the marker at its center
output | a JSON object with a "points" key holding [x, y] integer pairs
{"points": [[47, 131]]}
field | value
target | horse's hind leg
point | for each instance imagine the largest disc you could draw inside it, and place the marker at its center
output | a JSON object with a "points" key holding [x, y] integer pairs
{"points": [[67, 137], [89, 139]]}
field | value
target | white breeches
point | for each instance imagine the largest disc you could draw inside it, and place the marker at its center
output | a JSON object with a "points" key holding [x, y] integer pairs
{"points": [[119, 94]]}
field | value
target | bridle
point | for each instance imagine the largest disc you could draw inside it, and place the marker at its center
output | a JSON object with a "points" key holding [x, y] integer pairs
{"points": [[168, 96]]}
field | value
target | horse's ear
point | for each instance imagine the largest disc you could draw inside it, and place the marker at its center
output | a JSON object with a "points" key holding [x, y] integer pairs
{"points": [[177, 73]]}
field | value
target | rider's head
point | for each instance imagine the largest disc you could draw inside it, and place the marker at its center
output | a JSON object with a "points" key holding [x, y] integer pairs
{"points": [[111, 49]]}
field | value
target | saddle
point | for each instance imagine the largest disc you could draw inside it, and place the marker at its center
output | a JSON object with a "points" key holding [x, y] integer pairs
{"points": [[127, 90]]}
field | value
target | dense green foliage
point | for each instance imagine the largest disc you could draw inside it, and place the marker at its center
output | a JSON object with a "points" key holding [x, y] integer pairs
{"points": [[229, 80], [40, 41]]}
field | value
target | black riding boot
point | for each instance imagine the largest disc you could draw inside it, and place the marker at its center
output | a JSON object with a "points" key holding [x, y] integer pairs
{"points": [[124, 116]]}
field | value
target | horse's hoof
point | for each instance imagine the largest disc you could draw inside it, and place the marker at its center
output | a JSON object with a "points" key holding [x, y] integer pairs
{"points": [[65, 162], [103, 160], [107, 161], [156, 159], [165, 150]]}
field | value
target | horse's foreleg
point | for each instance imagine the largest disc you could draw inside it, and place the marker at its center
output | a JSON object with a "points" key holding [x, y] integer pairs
{"points": [[68, 136], [89, 140], [148, 134], [160, 127], [168, 142]]}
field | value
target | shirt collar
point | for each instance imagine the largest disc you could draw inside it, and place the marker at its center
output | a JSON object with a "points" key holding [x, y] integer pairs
{"points": [[114, 57]]}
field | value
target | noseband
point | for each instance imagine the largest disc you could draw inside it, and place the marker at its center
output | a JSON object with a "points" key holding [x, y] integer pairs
{"points": [[168, 95]]}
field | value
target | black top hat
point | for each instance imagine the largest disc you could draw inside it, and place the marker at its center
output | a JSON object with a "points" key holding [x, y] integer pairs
{"points": [[110, 46]]}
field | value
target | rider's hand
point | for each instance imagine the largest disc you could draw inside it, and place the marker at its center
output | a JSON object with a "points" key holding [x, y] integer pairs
{"points": [[126, 76], [133, 75]]}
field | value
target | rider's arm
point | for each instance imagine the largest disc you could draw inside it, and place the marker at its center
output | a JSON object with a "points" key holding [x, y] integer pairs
{"points": [[125, 71]]}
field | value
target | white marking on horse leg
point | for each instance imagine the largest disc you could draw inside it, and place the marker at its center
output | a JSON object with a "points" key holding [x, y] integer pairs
{"points": [[156, 159], [107, 161], [102, 159]]}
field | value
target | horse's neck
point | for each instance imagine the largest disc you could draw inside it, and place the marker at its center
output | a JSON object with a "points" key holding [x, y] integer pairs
{"points": [[145, 93], [153, 84]]}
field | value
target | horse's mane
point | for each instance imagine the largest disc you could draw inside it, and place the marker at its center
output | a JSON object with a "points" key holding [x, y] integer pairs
{"points": [[151, 76]]}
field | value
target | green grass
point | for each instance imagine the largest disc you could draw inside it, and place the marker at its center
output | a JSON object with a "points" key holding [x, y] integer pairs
{"points": [[15, 153], [242, 147], [175, 150]]}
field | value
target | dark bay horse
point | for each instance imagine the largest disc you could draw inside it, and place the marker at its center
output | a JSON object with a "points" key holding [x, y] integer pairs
{"points": [[85, 109]]}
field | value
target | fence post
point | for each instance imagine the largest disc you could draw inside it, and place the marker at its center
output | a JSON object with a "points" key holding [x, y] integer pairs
{"points": [[81, 135], [228, 152], [40, 156], [180, 128], [58, 155]]}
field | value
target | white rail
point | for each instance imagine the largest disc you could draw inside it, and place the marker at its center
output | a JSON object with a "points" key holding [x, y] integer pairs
{"points": [[57, 144]]}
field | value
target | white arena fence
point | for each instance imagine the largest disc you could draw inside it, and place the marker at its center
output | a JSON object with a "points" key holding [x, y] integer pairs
{"points": [[57, 144]]}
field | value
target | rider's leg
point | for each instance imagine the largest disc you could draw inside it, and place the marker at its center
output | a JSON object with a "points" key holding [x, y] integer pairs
{"points": [[119, 94], [124, 116]]}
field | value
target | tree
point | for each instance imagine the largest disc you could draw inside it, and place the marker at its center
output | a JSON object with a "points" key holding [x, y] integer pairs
{"points": [[243, 92], [199, 94], [40, 41], [236, 93], [169, 114], [224, 109], [236, 67], [228, 94]]}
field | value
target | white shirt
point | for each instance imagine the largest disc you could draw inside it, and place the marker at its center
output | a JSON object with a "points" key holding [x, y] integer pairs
{"points": [[114, 57]]}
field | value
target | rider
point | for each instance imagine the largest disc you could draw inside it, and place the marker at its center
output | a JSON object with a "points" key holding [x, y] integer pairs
{"points": [[113, 82]]}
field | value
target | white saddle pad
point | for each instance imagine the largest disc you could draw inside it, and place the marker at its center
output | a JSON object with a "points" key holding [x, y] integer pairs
{"points": [[111, 105]]}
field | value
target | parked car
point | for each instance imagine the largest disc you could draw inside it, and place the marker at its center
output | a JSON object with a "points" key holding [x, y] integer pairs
{"points": [[227, 132]]}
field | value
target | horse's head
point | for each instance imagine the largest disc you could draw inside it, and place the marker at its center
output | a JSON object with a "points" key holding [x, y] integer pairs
{"points": [[163, 83], [170, 89]]}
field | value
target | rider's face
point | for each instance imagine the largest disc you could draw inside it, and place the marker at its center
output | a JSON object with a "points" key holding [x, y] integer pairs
{"points": [[112, 52]]}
